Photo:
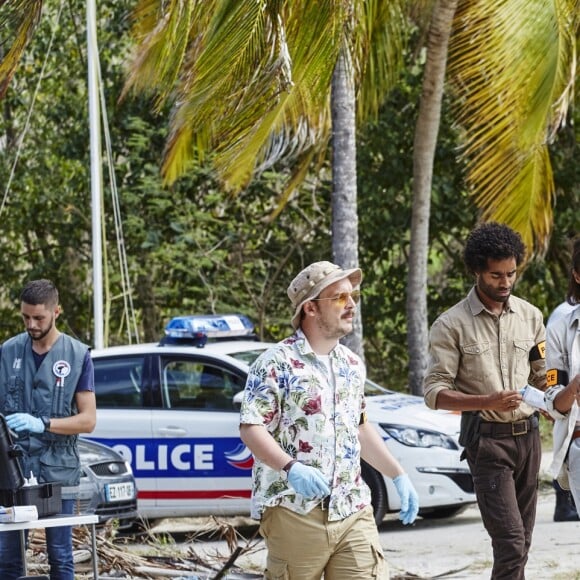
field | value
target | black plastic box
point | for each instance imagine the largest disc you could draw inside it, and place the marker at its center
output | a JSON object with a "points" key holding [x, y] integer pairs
{"points": [[46, 497]]}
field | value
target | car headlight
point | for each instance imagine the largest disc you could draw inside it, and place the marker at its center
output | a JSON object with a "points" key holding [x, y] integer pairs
{"points": [[419, 437]]}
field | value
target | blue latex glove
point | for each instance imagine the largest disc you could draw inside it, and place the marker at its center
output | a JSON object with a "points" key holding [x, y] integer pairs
{"points": [[308, 481], [19, 422], [409, 499]]}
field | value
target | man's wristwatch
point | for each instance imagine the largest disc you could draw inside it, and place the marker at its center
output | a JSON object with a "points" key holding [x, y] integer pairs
{"points": [[287, 467], [46, 422]]}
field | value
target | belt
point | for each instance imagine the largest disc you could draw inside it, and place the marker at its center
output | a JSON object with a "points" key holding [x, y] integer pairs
{"points": [[491, 429]]}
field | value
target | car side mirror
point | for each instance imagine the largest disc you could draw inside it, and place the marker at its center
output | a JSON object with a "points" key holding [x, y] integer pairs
{"points": [[238, 400]]}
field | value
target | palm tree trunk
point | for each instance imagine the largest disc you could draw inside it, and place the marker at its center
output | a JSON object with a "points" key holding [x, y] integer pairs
{"points": [[344, 190], [426, 133]]}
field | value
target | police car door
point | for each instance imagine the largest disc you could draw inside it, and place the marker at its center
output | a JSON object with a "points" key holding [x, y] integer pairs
{"points": [[201, 466], [124, 414]]}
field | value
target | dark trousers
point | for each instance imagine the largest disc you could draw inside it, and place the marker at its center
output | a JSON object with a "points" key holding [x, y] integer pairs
{"points": [[505, 475], [59, 548]]}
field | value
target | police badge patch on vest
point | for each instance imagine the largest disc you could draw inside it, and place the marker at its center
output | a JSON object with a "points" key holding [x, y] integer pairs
{"points": [[61, 370]]}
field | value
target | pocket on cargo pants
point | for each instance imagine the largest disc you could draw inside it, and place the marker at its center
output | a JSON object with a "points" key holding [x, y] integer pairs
{"points": [[381, 571], [276, 569]]}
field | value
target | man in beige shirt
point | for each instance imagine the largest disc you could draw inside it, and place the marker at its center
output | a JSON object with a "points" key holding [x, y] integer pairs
{"points": [[482, 352]]}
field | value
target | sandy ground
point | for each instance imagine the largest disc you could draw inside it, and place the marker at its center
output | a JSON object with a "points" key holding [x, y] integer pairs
{"points": [[457, 547], [460, 547]]}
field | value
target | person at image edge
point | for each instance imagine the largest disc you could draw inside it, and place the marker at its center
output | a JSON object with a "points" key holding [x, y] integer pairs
{"points": [[47, 393]]}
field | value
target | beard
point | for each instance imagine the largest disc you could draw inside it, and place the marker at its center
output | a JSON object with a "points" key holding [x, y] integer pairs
{"points": [[333, 328], [492, 293], [38, 334]]}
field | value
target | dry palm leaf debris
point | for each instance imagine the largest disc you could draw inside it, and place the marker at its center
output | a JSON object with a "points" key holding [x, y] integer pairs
{"points": [[116, 560]]}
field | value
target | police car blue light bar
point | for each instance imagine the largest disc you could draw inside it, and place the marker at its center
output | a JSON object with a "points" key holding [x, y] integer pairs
{"points": [[209, 326]]}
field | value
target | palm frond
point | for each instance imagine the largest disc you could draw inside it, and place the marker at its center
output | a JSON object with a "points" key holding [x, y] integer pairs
{"points": [[163, 31], [18, 20], [254, 82], [380, 37], [303, 166], [568, 12], [243, 92], [512, 65]]}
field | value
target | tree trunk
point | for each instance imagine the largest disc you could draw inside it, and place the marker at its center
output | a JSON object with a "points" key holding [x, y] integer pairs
{"points": [[425, 143], [344, 190], [146, 292]]}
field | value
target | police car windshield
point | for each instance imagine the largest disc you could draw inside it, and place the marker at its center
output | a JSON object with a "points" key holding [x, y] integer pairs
{"points": [[372, 389], [247, 356]]}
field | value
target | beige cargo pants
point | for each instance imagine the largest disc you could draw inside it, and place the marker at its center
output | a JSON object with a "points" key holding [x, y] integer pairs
{"points": [[309, 547]]}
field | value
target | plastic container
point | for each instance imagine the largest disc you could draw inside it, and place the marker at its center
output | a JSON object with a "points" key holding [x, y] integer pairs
{"points": [[47, 498], [18, 513]]}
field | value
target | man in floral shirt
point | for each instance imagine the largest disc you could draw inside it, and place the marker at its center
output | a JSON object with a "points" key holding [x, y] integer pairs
{"points": [[303, 417]]}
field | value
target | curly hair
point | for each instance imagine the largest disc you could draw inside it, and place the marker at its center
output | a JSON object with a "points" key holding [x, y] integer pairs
{"points": [[40, 292], [495, 241], [573, 295]]}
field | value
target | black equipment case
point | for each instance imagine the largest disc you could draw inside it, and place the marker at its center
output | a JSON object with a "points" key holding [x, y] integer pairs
{"points": [[45, 496]]}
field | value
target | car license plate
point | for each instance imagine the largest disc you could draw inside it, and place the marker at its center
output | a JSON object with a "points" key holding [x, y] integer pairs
{"points": [[119, 491]]}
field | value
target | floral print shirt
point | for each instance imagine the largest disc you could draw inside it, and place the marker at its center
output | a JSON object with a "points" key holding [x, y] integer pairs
{"points": [[314, 417]]}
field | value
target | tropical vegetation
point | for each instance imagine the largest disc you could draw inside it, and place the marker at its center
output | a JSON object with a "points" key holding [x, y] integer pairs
{"points": [[193, 246]]}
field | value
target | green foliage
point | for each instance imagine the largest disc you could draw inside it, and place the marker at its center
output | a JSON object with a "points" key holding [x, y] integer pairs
{"points": [[193, 247], [546, 281], [385, 160], [512, 66], [262, 74], [44, 221], [385, 164]]}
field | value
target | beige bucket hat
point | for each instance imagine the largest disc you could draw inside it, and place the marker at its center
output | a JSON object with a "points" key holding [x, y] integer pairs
{"points": [[313, 280]]}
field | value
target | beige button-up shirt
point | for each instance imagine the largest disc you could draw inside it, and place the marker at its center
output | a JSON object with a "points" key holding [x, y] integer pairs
{"points": [[562, 354], [476, 352]]}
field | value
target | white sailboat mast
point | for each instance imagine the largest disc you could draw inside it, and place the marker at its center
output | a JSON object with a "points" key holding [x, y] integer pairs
{"points": [[96, 172]]}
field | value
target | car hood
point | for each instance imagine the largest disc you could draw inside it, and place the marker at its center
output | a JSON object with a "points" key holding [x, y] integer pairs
{"points": [[93, 452], [410, 410]]}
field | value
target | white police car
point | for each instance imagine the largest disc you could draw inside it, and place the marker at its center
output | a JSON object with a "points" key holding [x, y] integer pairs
{"points": [[172, 410]]}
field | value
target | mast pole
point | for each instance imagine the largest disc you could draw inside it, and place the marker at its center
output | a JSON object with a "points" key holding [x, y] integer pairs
{"points": [[96, 172]]}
